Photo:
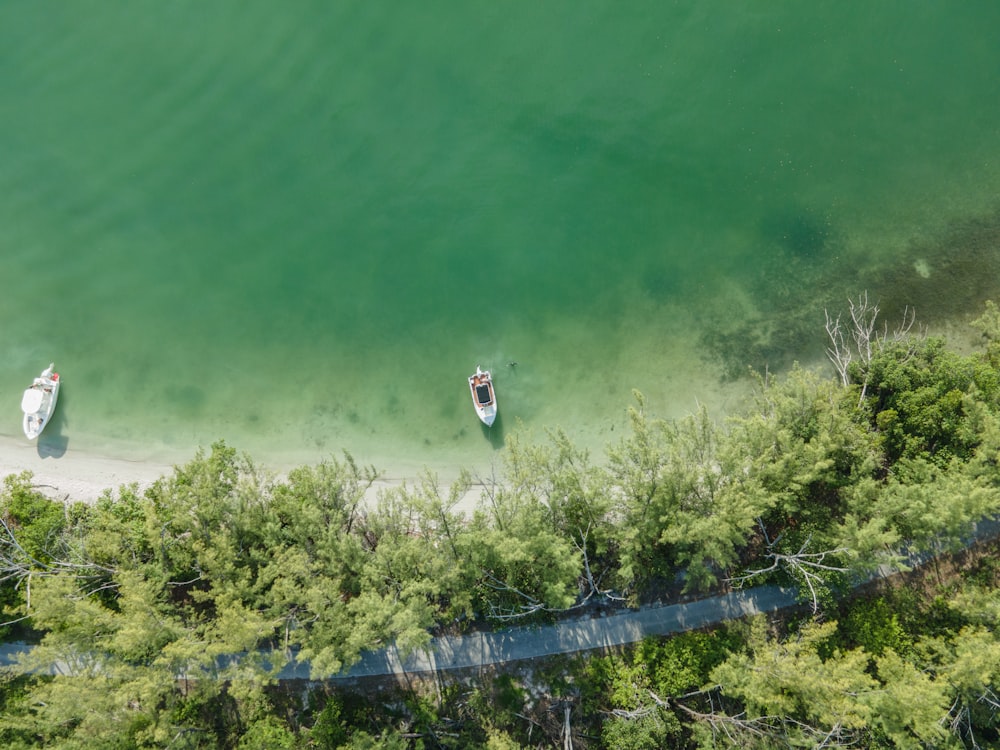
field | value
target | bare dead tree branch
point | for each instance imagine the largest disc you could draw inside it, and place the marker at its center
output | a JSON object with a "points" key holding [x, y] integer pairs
{"points": [[529, 605], [990, 699], [567, 732], [839, 353], [860, 340], [805, 566], [593, 586], [16, 563], [776, 729]]}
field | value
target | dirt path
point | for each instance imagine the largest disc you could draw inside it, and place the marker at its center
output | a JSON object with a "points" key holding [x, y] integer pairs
{"points": [[584, 634], [589, 634], [513, 644]]}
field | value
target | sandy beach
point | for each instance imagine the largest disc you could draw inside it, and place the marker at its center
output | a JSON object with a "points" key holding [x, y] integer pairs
{"points": [[81, 476], [74, 475]]}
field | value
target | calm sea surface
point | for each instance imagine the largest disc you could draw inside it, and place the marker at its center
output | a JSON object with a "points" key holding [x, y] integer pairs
{"points": [[299, 227]]}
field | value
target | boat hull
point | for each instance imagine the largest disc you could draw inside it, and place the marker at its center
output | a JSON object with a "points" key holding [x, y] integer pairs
{"points": [[484, 398], [487, 416], [39, 402]]}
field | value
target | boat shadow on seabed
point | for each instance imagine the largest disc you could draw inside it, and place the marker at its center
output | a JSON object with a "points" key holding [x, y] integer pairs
{"points": [[494, 433], [52, 443]]}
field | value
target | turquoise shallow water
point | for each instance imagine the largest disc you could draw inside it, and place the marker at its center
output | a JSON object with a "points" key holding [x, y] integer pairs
{"points": [[300, 228]]}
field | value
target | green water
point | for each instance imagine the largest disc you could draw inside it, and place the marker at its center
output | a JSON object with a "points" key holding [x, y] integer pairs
{"points": [[300, 227]]}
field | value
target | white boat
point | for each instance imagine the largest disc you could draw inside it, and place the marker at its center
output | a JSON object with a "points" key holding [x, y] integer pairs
{"points": [[39, 401], [483, 396]]}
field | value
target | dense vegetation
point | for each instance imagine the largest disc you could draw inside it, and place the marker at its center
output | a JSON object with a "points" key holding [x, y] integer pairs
{"points": [[139, 597]]}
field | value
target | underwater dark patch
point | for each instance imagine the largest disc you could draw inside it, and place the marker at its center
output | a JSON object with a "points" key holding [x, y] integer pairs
{"points": [[186, 398], [765, 343], [798, 232], [663, 284], [947, 277], [790, 282]]}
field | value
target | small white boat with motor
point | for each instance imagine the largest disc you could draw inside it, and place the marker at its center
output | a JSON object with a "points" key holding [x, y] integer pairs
{"points": [[483, 396], [39, 401]]}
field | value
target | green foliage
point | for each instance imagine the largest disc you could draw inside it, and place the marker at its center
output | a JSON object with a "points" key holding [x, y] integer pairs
{"points": [[678, 665], [651, 730], [562, 478], [925, 400], [32, 527], [971, 667], [524, 546], [805, 445], [893, 673], [988, 324], [968, 660], [910, 705], [330, 728], [875, 626], [416, 571], [267, 732], [115, 530], [790, 678], [499, 702], [622, 687], [500, 740], [17, 729], [685, 500], [525, 568], [541, 534], [927, 504], [36, 521], [386, 740], [145, 590]]}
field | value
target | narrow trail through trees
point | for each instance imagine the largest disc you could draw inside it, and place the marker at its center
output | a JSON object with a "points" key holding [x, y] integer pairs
{"points": [[591, 634], [482, 649]]}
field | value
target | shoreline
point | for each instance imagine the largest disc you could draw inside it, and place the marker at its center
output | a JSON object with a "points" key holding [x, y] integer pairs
{"points": [[75, 475], [84, 466], [65, 473]]}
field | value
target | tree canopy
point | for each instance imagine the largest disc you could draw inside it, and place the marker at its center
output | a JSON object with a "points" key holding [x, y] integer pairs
{"points": [[144, 599]]}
